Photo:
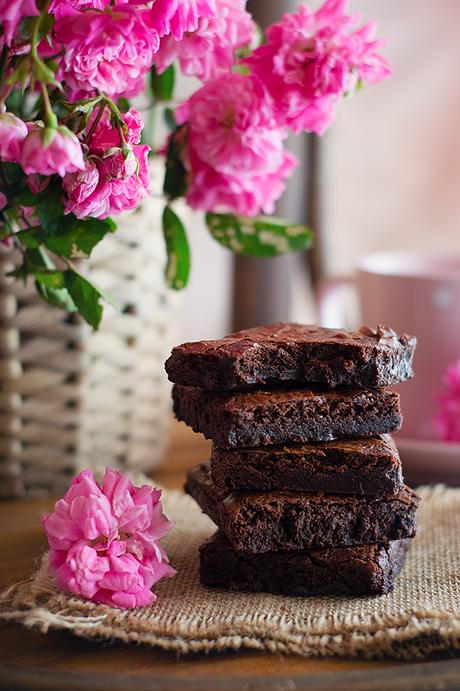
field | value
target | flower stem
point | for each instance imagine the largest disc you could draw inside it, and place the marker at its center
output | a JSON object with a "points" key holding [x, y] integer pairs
{"points": [[35, 29], [3, 61], [50, 117], [95, 123]]}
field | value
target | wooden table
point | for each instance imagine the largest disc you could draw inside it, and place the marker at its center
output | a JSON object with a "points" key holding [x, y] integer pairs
{"points": [[59, 661]]}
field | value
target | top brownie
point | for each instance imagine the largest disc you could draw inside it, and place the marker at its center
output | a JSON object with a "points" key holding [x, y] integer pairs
{"points": [[294, 353]]}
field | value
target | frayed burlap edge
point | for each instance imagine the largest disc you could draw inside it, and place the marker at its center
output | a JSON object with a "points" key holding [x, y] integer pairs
{"points": [[413, 634]]}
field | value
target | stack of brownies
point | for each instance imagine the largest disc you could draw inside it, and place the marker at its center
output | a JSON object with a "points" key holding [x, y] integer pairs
{"points": [[304, 483]]}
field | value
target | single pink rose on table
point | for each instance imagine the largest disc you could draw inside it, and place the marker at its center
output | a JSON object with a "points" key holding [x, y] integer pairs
{"points": [[109, 51], [12, 12], [13, 131], [233, 149], [312, 59], [178, 17], [447, 420], [104, 540], [50, 150], [209, 51]]}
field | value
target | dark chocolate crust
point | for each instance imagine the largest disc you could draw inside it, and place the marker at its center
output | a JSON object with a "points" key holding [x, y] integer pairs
{"points": [[259, 418], [255, 522], [361, 570], [304, 354], [354, 466]]}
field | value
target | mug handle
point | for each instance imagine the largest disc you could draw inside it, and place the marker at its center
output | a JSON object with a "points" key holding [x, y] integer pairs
{"points": [[332, 302]]}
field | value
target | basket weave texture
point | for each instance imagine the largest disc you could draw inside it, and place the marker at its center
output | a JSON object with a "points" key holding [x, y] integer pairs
{"points": [[72, 398]]}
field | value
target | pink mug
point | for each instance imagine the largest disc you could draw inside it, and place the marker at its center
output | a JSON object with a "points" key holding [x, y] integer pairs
{"points": [[414, 293]]}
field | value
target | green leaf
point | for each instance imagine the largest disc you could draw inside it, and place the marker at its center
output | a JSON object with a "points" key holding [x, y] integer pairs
{"points": [[86, 296], [28, 198], [85, 106], [13, 173], [50, 286], [57, 297], [51, 210], [21, 73], [91, 231], [66, 235], [258, 237], [37, 258], [162, 84], [178, 266], [32, 238], [15, 103], [42, 73], [50, 279], [175, 182], [46, 24], [78, 237]]}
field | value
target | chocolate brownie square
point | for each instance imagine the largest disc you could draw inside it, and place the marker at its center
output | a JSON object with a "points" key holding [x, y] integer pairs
{"points": [[255, 522], [352, 466], [296, 353], [259, 418], [359, 571]]}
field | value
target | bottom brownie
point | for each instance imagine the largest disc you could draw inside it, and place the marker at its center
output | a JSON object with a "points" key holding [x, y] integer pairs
{"points": [[360, 570]]}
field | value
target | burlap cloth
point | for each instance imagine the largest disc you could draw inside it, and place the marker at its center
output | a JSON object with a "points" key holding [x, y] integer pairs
{"points": [[420, 616]]}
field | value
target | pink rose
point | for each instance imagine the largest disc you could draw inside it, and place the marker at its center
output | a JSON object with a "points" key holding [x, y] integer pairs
{"points": [[86, 195], [81, 569], [12, 12], [447, 420], [178, 17], [115, 178], [48, 151], [118, 165], [128, 192], [13, 131], [3, 201], [311, 59], [234, 149], [104, 540], [106, 136], [242, 195], [209, 50], [64, 8], [109, 51]]}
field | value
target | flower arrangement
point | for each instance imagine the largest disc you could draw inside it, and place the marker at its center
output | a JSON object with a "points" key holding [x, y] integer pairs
{"points": [[72, 151], [104, 540]]}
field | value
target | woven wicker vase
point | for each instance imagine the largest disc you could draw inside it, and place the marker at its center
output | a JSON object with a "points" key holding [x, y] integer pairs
{"points": [[72, 398]]}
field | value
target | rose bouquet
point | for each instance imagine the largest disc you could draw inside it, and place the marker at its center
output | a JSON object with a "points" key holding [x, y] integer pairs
{"points": [[72, 153]]}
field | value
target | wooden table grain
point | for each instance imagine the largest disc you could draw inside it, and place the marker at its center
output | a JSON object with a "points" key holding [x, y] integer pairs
{"points": [[63, 662]]}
